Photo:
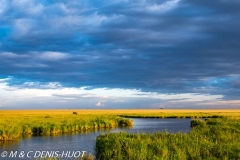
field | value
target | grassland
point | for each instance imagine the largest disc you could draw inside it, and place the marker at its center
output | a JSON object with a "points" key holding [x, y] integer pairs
{"points": [[208, 140], [130, 112], [213, 139], [15, 124], [162, 113]]}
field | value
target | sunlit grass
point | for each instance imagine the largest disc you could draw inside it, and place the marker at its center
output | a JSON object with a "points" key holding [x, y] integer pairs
{"points": [[14, 124], [213, 139], [136, 112]]}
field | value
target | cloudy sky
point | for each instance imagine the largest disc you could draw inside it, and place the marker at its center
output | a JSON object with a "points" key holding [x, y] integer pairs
{"points": [[119, 54]]}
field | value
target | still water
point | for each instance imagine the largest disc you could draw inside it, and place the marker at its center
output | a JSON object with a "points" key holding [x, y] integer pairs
{"points": [[85, 141]]}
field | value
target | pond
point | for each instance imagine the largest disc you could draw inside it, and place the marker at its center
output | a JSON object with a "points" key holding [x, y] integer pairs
{"points": [[77, 142]]}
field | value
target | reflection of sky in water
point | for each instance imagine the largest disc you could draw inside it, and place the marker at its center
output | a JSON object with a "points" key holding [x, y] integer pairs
{"points": [[85, 141], [149, 125]]}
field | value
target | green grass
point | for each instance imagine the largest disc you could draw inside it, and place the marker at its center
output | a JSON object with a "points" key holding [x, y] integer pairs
{"points": [[212, 139], [13, 126], [217, 138], [17, 123]]}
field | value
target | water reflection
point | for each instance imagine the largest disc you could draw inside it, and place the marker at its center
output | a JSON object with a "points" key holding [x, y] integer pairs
{"points": [[85, 140]]}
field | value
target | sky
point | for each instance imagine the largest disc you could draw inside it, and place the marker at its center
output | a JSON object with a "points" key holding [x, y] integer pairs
{"points": [[97, 54]]}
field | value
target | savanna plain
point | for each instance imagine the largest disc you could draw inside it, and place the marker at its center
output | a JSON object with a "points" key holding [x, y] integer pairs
{"points": [[215, 134]]}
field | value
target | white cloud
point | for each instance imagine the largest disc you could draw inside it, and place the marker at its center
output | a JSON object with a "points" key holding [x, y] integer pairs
{"points": [[22, 27], [99, 103], [187, 97], [12, 55], [52, 56], [55, 92], [55, 89], [4, 80], [34, 85], [62, 101], [163, 7]]}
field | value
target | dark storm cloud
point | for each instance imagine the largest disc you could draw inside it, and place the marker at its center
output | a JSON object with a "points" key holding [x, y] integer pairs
{"points": [[161, 46]]}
